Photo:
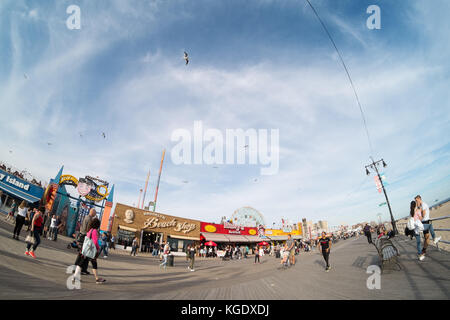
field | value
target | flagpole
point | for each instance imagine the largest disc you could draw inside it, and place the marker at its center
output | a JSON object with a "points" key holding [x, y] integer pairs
{"points": [[159, 178]]}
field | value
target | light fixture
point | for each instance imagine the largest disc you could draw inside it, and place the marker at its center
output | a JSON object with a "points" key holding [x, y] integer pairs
{"points": [[367, 171], [384, 164]]}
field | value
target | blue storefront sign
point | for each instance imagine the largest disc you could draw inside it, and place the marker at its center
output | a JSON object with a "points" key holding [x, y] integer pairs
{"points": [[20, 188]]}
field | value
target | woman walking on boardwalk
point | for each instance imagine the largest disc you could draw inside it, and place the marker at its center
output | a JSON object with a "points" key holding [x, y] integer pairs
{"points": [[36, 229], [20, 219], [93, 234]]}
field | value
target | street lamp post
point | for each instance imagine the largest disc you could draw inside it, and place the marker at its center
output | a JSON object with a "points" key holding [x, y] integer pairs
{"points": [[374, 165]]}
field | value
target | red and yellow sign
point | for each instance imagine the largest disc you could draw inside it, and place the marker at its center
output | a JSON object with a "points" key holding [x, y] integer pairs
{"points": [[227, 228]]}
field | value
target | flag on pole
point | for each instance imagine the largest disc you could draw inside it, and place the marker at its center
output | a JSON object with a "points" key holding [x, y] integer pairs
{"points": [[378, 183]]}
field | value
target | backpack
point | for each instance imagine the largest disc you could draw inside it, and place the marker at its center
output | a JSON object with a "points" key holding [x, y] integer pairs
{"points": [[89, 249]]}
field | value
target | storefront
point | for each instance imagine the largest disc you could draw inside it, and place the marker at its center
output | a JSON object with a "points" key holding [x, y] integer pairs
{"points": [[15, 189], [150, 227], [229, 234]]}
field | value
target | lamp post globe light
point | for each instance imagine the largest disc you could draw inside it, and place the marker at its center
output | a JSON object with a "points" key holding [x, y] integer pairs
{"points": [[374, 166]]}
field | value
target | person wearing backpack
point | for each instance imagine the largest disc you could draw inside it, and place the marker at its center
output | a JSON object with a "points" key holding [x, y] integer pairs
{"points": [[90, 242]]}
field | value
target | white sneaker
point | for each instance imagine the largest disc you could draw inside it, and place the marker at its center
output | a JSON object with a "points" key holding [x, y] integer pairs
{"points": [[437, 240], [192, 270], [421, 257]]}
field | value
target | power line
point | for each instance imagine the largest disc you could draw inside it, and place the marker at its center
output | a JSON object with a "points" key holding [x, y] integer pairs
{"points": [[348, 74]]}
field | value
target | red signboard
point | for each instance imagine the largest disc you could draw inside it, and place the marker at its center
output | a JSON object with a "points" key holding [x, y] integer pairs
{"points": [[227, 228]]}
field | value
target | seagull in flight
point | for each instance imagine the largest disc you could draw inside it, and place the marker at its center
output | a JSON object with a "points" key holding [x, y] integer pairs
{"points": [[186, 57]]}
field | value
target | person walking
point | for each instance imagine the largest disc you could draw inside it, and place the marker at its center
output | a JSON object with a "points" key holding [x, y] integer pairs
{"points": [[428, 227], [36, 228], [155, 249], [104, 245], [81, 235], [20, 219], [165, 255], [368, 232], [47, 223], [192, 253], [257, 254], [112, 243], [53, 228], [291, 249], [12, 211], [134, 247], [325, 245], [93, 234]]}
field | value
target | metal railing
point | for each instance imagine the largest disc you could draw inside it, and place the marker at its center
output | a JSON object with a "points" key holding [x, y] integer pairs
{"points": [[403, 224]]}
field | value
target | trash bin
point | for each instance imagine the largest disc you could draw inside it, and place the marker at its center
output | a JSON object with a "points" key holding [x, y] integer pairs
{"points": [[170, 260]]}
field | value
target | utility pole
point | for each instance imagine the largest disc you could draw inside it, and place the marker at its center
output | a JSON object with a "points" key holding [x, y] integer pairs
{"points": [[373, 166]]}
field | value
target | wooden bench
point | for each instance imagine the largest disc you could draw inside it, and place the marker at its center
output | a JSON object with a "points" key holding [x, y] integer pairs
{"points": [[387, 252]]}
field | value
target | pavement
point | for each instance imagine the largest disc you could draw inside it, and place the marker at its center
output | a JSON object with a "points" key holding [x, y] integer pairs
{"points": [[22, 277]]}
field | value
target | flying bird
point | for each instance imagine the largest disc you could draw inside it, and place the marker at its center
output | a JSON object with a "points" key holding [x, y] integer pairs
{"points": [[10, 151], [256, 180], [186, 57], [49, 143], [215, 167], [25, 76], [81, 136], [185, 181]]}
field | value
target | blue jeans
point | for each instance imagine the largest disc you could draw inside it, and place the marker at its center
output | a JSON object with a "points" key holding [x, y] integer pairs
{"points": [[37, 238], [426, 227], [103, 248], [164, 263], [155, 252], [429, 227]]}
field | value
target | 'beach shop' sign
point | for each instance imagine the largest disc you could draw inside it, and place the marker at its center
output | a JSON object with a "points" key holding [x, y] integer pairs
{"points": [[159, 221]]}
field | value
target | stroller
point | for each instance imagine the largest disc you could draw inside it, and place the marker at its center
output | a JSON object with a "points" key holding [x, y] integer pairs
{"points": [[285, 261], [73, 245]]}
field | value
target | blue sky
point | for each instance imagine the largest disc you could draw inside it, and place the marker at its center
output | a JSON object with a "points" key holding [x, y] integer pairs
{"points": [[253, 64]]}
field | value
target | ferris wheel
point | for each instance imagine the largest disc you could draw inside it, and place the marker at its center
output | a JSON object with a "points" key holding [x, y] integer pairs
{"points": [[247, 217]]}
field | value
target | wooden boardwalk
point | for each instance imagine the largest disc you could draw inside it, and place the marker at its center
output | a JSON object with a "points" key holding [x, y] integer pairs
{"points": [[139, 277]]}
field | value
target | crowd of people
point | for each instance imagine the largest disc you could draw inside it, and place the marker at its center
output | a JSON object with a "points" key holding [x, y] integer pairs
{"points": [[19, 174]]}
